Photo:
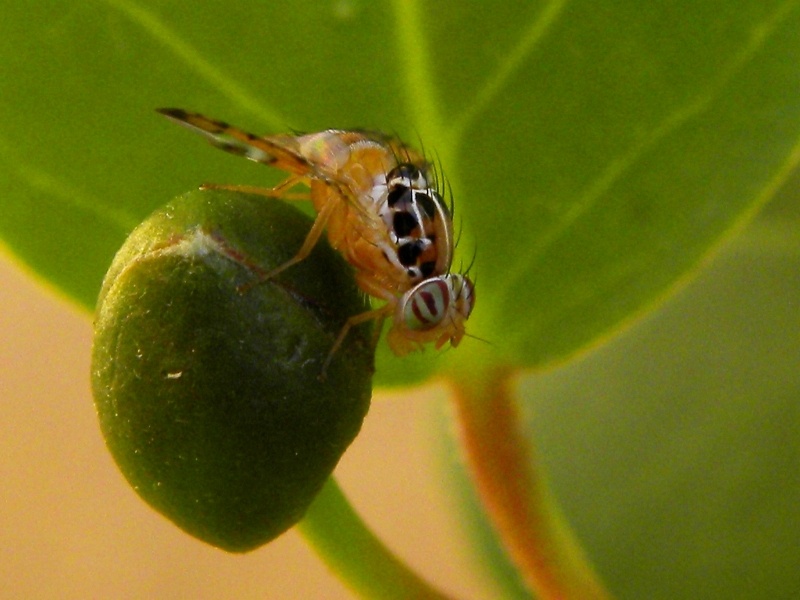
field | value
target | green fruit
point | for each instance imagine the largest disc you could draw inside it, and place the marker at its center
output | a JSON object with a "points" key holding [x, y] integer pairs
{"points": [[208, 387]]}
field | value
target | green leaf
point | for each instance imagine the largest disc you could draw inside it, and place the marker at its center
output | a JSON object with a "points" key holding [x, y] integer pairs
{"points": [[596, 153]]}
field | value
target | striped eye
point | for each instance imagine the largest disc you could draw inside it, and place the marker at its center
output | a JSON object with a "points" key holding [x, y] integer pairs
{"points": [[426, 304]]}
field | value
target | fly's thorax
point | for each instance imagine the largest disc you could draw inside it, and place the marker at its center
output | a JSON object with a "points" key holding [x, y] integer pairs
{"points": [[327, 150], [349, 157], [418, 222]]}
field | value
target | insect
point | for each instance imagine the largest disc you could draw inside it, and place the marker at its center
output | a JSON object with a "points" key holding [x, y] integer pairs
{"points": [[377, 201]]}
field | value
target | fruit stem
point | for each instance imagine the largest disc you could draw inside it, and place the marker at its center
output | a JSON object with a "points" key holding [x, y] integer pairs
{"points": [[355, 554]]}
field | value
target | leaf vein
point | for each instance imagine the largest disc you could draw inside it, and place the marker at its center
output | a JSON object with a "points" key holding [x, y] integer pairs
{"points": [[412, 47], [42, 181], [229, 88], [532, 36]]}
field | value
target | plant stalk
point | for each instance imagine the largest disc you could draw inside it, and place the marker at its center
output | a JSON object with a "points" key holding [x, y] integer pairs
{"points": [[356, 555], [513, 489]]}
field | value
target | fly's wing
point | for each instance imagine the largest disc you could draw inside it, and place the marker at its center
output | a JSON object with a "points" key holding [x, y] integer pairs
{"points": [[278, 151]]}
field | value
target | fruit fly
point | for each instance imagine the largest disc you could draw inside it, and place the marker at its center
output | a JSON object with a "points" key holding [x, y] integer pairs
{"points": [[379, 204]]}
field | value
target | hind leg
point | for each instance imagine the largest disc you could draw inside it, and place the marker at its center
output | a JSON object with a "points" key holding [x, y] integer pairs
{"points": [[279, 191]]}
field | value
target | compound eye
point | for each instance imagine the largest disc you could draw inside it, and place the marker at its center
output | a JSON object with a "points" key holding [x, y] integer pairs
{"points": [[426, 304]]}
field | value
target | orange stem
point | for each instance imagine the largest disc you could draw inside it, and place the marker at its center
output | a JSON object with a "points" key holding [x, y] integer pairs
{"points": [[514, 491]]}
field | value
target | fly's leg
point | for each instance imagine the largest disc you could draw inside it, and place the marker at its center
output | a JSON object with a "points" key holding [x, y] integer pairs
{"points": [[378, 314], [311, 239], [308, 245], [343, 194], [279, 191]]}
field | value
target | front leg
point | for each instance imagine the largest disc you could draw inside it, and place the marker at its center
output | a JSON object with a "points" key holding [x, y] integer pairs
{"points": [[379, 315]]}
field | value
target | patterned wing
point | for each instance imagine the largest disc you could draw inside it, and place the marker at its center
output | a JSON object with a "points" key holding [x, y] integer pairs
{"points": [[280, 151]]}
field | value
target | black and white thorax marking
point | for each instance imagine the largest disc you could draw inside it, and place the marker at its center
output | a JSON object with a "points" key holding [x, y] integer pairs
{"points": [[418, 223]]}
